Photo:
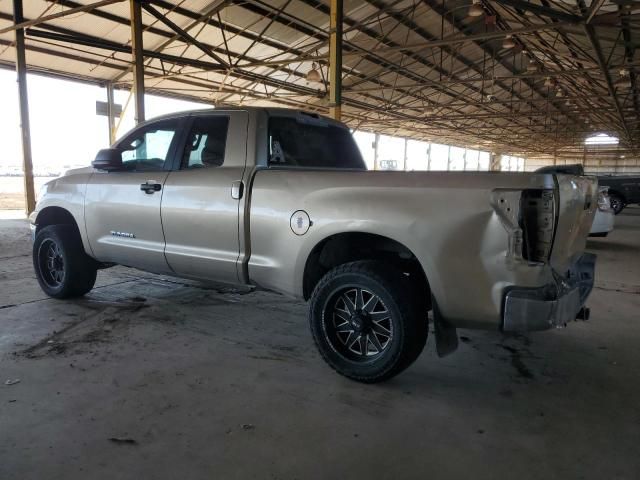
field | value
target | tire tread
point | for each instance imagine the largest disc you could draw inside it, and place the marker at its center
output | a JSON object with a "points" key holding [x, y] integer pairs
{"points": [[81, 268], [398, 286]]}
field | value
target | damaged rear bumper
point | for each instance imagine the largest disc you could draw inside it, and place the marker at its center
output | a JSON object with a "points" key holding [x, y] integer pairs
{"points": [[554, 305]]}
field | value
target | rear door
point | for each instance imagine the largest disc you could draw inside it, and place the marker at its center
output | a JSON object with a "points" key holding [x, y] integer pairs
{"points": [[203, 198], [122, 208]]}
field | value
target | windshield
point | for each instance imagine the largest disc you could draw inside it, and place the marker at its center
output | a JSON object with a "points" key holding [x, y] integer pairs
{"points": [[319, 145]]}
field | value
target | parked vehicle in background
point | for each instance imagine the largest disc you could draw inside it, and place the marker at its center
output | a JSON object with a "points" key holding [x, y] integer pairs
{"points": [[604, 218], [623, 190], [282, 200]]}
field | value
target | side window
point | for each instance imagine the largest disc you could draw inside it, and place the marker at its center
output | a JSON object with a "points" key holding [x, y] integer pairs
{"points": [[147, 149], [206, 142]]}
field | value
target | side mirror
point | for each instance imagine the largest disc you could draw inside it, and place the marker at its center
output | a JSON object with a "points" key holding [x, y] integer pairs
{"points": [[109, 159]]}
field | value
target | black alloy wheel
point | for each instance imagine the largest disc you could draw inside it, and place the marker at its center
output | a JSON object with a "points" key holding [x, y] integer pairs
{"points": [[358, 324], [367, 320], [51, 263]]}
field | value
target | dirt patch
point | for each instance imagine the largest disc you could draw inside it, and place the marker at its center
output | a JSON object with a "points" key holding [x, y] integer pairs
{"points": [[517, 363], [80, 336]]}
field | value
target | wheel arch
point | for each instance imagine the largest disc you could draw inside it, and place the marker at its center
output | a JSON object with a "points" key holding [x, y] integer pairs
{"points": [[341, 248], [54, 215], [618, 194]]}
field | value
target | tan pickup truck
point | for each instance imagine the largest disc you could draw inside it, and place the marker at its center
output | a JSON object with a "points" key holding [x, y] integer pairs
{"points": [[282, 200]]}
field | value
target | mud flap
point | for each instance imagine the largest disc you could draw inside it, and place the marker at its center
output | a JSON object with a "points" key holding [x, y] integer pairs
{"points": [[446, 334]]}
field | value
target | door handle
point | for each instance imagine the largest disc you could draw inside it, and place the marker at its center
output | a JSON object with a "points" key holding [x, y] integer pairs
{"points": [[237, 189], [149, 187]]}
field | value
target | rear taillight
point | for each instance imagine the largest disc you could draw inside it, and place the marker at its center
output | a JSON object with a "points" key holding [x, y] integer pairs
{"points": [[537, 221], [604, 204]]}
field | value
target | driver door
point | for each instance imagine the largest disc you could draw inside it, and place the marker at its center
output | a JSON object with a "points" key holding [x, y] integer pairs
{"points": [[122, 208]]}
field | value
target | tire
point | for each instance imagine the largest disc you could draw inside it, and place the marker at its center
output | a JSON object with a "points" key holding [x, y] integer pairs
{"points": [[365, 322], [617, 203], [62, 268]]}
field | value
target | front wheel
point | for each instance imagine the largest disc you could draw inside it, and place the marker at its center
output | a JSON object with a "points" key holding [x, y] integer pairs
{"points": [[62, 268], [365, 322]]}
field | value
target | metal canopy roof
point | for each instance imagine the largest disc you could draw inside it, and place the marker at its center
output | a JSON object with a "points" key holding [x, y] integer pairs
{"points": [[418, 68]]}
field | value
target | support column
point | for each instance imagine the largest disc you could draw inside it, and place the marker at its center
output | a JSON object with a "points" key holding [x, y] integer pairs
{"points": [[494, 162], [335, 59], [376, 143], [111, 114], [25, 130], [404, 161], [138, 59]]}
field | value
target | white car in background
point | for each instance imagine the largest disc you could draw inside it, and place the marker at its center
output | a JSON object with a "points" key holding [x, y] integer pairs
{"points": [[604, 217]]}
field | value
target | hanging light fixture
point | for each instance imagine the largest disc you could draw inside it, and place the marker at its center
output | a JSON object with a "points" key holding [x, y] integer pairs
{"points": [[313, 75], [476, 9], [508, 42], [624, 79]]}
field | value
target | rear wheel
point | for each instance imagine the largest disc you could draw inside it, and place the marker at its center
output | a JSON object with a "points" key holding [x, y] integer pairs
{"points": [[617, 204], [62, 268], [365, 322]]}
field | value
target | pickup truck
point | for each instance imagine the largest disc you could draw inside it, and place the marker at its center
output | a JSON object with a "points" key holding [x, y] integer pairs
{"points": [[623, 190], [281, 200]]}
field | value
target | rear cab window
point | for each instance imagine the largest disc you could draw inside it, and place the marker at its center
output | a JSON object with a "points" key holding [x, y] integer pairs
{"points": [[311, 143]]}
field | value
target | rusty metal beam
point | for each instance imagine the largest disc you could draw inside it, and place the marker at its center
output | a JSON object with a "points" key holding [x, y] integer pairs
{"points": [[111, 113], [335, 58], [593, 10], [595, 43], [445, 42], [184, 34], [71, 11], [25, 130], [541, 10], [138, 59]]}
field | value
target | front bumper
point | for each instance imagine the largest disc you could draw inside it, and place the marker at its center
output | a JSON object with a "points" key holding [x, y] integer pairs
{"points": [[32, 224], [554, 305]]}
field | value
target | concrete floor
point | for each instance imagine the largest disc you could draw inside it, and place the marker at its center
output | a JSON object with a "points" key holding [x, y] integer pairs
{"points": [[206, 383]]}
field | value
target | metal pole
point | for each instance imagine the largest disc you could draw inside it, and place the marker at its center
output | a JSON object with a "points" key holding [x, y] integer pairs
{"points": [[376, 142], [111, 114], [138, 59], [335, 58], [21, 69], [494, 162], [404, 165]]}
